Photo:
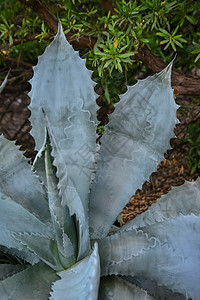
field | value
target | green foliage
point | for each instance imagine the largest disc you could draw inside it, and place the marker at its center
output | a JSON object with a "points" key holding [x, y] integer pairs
{"points": [[197, 48], [185, 13], [44, 32], [157, 13], [163, 26], [171, 39], [112, 55], [6, 31]]}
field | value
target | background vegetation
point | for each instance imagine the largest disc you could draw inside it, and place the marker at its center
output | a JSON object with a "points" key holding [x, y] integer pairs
{"points": [[120, 40]]}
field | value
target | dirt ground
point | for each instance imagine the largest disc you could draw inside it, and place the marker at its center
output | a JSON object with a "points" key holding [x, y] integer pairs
{"points": [[173, 171]]}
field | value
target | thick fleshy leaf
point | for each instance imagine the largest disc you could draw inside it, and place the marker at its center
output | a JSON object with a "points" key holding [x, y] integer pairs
{"points": [[70, 199], [62, 222], [134, 142], [181, 234], [119, 247], [159, 292], [60, 66], [29, 257], [38, 166], [43, 246], [79, 282], [33, 283], [184, 199], [15, 219], [7, 270], [115, 288], [18, 182], [174, 262], [23, 231], [67, 99], [2, 86]]}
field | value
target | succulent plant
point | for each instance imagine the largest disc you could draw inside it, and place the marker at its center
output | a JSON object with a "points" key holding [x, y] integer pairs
{"points": [[56, 217]]}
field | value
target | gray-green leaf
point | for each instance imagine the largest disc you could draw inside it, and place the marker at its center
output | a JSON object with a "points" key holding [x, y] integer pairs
{"points": [[7, 270], [133, 144], [180, 200], [66, 98], [173, 261], [18, 182], [62, 222], [115, 288], [81, 281], [15, 219], [120, 247], [33, 283], [23, 231]]}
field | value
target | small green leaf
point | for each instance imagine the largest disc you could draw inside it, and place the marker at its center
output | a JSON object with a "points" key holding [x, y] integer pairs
{"points": [[175, 31], [173, 46]]}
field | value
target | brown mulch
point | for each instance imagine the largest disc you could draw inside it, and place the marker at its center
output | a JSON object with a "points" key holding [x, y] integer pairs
{"points": [[14, 123], [173, 171]]}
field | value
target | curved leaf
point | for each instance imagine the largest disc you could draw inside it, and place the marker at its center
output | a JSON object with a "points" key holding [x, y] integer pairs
{"points": [[7, 270], [70, 199], [184, 199], [158, 291], [115, 288], [43, 246], [174, 262], [18, 182], [133, 144], [122, 247], [67, 99], [33, 283], [60, 66], [181, 234], [29, 257], [79, 282], [14, 218], [23, 231], [62, 222]]}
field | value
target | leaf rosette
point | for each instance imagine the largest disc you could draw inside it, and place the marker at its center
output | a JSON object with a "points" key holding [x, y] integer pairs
{"points": [[58, 215]]}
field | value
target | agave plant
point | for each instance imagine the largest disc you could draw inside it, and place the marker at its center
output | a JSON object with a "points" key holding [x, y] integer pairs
{"points": [[57, 216]]}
